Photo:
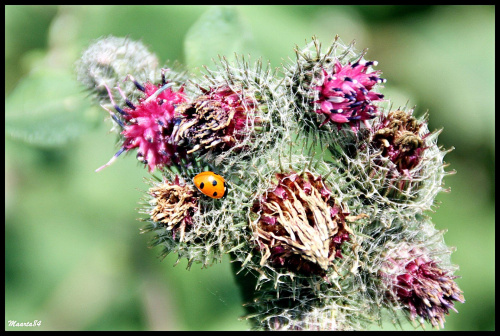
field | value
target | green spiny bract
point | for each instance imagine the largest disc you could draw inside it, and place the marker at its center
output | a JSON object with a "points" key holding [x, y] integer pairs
{"points": [[317, 308]]}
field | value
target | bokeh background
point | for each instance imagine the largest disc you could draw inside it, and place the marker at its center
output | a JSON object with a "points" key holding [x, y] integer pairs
{"points": [[74, 258]]}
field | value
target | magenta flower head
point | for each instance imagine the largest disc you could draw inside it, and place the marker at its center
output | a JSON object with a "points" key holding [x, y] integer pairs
{"points": [[417, 282], [213, 121], [148, 125], [173, 206], [300, 226], [346, 96]]}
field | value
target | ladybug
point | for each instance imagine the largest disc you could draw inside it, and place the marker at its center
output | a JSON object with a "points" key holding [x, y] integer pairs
{"points": [[210, 184]]}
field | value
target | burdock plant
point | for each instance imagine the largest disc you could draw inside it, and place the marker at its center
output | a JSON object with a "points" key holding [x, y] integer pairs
{"points": [[328, 186]]}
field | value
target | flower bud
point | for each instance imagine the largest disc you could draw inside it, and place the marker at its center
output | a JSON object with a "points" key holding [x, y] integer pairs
{"points": [[405, 163], [109, 59], [417, 282]]}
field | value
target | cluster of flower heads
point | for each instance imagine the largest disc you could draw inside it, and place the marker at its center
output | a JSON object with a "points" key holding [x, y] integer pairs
{"points": [[307, 220], [166, 127]]}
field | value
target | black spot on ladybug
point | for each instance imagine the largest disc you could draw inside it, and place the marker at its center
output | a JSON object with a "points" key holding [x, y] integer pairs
{"points": [[214, 183], [215, 193], [202, 185]]}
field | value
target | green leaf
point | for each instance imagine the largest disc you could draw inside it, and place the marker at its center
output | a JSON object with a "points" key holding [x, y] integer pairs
{"points": [[219, 31], [47, 108]]}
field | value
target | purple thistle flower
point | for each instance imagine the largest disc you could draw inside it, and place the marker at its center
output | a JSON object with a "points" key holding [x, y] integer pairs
{"points": [[345, 95], [420, 285], [148, 125]]}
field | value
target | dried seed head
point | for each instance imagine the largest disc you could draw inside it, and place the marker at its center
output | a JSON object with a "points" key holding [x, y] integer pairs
{"points": [[214, 121], [174, 204], [398, 136], [398, 161], [300, 226]]}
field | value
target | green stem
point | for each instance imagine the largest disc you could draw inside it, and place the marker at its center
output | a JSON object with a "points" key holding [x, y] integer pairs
{"points": [[246, 283]]}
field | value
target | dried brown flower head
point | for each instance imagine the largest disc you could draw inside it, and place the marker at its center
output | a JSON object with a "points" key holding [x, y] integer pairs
{"points": [[215, 120], [398, 137], [174, 206], [300, 226]]}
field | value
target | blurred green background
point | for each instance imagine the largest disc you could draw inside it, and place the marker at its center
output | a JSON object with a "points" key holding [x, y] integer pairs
{"points": [[74, 257]]}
